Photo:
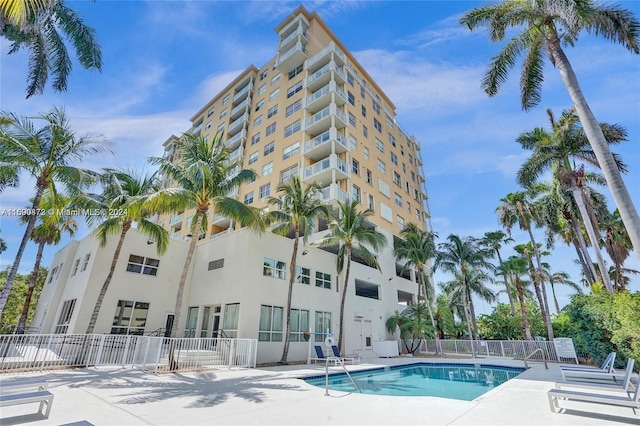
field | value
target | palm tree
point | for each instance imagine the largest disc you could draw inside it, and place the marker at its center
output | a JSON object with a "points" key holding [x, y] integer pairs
{"points": [[517, 266], [124, 200], [544, 26], [412, 324], [297, 208], [46, 154], [42, 33], [204, 176], [494, 240], [416, 249], [559, 277], [617, 244], [555, 150], [351, 231], [460, 257], [52, 226], [517, 207], [17, 12]]}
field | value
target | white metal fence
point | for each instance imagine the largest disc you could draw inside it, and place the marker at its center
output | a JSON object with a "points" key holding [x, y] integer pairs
{"points": [[38, 352], [516, 349]]}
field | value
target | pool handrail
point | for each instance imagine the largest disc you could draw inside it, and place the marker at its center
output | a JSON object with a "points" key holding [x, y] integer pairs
{"points": [[337, 360]]}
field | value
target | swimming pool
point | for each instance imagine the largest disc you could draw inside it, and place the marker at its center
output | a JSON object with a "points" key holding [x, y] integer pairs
{"points": [[456, 381]]}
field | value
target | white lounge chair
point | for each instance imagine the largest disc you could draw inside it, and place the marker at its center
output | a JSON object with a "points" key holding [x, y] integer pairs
{"points": [[593, 374], [625, 385], [555, 395], [607, 365]]}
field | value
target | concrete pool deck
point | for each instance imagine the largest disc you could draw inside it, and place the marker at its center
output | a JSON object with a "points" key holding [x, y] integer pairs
{"points": [[275, 396]]}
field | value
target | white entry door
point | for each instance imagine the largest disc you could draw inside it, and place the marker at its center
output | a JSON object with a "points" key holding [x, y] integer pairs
{"points": [[361, 335]]}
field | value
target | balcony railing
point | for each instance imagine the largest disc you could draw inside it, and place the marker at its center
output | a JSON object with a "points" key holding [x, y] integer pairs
{"points": [[292, 36], [324, 52], [176, 219], [297, 48], [324, 138], [242, 92], [330, 162]]}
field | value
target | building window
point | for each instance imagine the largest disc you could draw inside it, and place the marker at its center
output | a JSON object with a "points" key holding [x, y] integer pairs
{"points": [[264, 74], [294, 107], [54, 271], [208, 126], [265, 190], [230, 319], [210, 112], [385, 212], [225, 99], [65, 316], [377, 125], [262, 89], [410, 159], [379, 145], [274, 94], [398, 200], [418, 215], [323, 280], [299, 324], [248, 198], [267, 169], [365, 289], [257, 121], [292, 128], [287, 174], [366, 153], [223, 113], [350, 79], [268, 148], [259, 105], [352, 119], [390, 122], [255, 138], [272, 111], [392, 141], [364, 111], [220, 128], [86, 262], [291, 150], [365, 131], [355, 193], [75, 266], [370, 202], [192, 322], [253, 157], [381, 166], [297, 70], [396, 178], [415, 194], [322, 325], [143, 265], [413, 177], [275, 79], [369, 177], [406, 187], [384, 187], [303, 275], [294, 89], [400, 221], [130, 317], [270, 324], [353, 142], [355, 167], [376, 107], [351, 98], [274, 268], [271, 128]]}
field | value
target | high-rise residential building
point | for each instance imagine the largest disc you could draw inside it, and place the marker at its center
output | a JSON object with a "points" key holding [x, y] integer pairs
{"points": [[311, 111]]}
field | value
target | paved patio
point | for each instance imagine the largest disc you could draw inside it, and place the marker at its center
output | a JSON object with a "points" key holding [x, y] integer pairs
{"points": [[275, 396]]}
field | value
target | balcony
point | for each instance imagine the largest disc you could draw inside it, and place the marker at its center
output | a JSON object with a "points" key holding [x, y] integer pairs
{"points": [[289, 40], [236, 155], [321, 97], [324, 170], [242, 93], [176, 219], [323, 75], [237, 140], [324, 56], [238, 124], [221, 221], [240, 108], [321, 146], [291, 58], [175, 235], [322, 120], [333, 192]]}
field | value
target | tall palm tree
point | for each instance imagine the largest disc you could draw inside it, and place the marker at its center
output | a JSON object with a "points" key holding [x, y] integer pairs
{"points": [[46, 154], [555, 150], [51, 226], [297, 208], [617, 244], [494, 240], [559, 277], [518, 207], [17, 12], [351, 231], [416, 249], [42, 33], [124, 200], [544, 26], [459, 257], [204, 175], [517, 266]]}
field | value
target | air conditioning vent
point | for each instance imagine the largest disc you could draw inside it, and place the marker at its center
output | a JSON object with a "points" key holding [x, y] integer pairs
{"points": [[216, 264]]}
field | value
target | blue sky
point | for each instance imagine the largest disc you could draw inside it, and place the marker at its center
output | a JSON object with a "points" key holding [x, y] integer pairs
{"points": [[164, 60]]}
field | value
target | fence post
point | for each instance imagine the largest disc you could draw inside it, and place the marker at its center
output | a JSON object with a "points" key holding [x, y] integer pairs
{"points": [[44, 358], [487, 343], [100, 348], [524, 351], [125, 352], [232, 351], [455, 345], [502, 348]]}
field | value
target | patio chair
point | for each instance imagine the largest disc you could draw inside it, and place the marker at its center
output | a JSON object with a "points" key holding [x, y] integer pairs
{"points": [[555, 395], [320, 356], [625, 385], [593, 373], [352, 359], [607, 365]]}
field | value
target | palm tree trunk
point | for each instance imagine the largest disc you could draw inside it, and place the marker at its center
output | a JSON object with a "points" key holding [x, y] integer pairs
{"points": [[343, 300], [472, 311], [596, 138], [583, 254], [4, 295], [33, 280], [555, 299], [428, 303], [536, 286], [465, 301], [105, 285], [506, 284], [579, 198], [292, 275], [523, 311], [538, 281]]}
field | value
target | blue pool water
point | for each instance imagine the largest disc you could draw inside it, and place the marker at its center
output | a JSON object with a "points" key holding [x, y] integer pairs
{"points": [[456, 381]]}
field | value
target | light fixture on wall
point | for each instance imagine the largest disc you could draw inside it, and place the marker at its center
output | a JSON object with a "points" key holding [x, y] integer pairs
{"points": [[305, 252], [150, 241]]}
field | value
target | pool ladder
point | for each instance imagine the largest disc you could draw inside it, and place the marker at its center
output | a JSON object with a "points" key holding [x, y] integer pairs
{"points": [[336, 360], [544, 358]]}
